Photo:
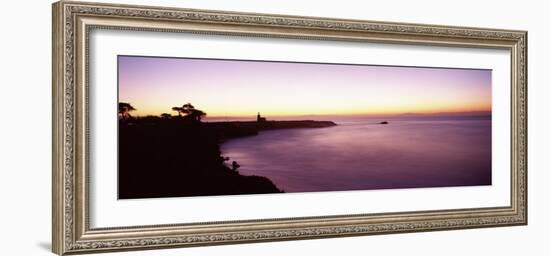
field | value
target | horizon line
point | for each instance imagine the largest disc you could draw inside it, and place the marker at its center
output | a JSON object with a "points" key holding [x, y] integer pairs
{"points": [[440, 113]]}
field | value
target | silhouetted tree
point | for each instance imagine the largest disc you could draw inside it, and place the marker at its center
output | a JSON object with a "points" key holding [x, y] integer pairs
{"points": [[188, 106], [196, 115], [124, 110], [165, 115], [180, 110], [190, 112]]}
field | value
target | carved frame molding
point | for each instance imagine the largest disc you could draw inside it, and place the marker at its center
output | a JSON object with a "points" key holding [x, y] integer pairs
{"points": [[72, 22]]}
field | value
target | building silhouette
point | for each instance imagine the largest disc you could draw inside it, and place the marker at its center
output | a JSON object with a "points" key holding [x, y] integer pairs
{"points": [[259, 118]]}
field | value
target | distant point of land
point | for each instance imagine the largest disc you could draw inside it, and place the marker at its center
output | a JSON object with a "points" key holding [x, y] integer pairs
{"points": [[174, 156]]}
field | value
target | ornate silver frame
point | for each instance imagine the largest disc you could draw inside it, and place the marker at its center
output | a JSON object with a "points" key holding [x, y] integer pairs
{"points": [[72, 21]]}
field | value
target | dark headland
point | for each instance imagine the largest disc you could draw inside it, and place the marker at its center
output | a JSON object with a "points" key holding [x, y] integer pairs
{"points": [[234, 129], [174, 156]]}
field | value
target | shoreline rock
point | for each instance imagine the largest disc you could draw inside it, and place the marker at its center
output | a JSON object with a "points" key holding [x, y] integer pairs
{"points": [[176, 157]]}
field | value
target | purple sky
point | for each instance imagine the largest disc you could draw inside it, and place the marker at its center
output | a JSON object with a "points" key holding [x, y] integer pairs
{"points": [[242, 88]]}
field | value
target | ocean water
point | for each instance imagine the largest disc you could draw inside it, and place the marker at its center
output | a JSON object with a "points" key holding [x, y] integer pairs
{"points": [[360, 154]]}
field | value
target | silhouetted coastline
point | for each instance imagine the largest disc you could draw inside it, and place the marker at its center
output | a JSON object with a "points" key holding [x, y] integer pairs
{"points": [[235, 129], [178, 156]]}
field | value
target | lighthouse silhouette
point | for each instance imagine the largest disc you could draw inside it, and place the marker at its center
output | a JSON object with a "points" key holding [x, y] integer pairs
{"points": [[259, 118]]}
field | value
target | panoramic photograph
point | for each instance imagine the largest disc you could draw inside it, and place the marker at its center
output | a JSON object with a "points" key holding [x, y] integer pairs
{"points": [[212, 127]]}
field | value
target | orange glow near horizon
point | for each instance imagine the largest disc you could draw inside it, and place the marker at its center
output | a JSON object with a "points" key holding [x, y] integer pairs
{"points": [[359, 110]]}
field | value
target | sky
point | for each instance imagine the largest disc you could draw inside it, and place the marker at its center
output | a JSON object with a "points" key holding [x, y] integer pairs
{"points": [[233, 88]]}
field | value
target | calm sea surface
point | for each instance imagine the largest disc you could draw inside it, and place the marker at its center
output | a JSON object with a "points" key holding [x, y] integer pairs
{"points": [[360, 154]]}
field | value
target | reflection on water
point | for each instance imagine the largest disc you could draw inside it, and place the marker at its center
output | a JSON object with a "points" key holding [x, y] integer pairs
{"points": [[361, 154]]}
